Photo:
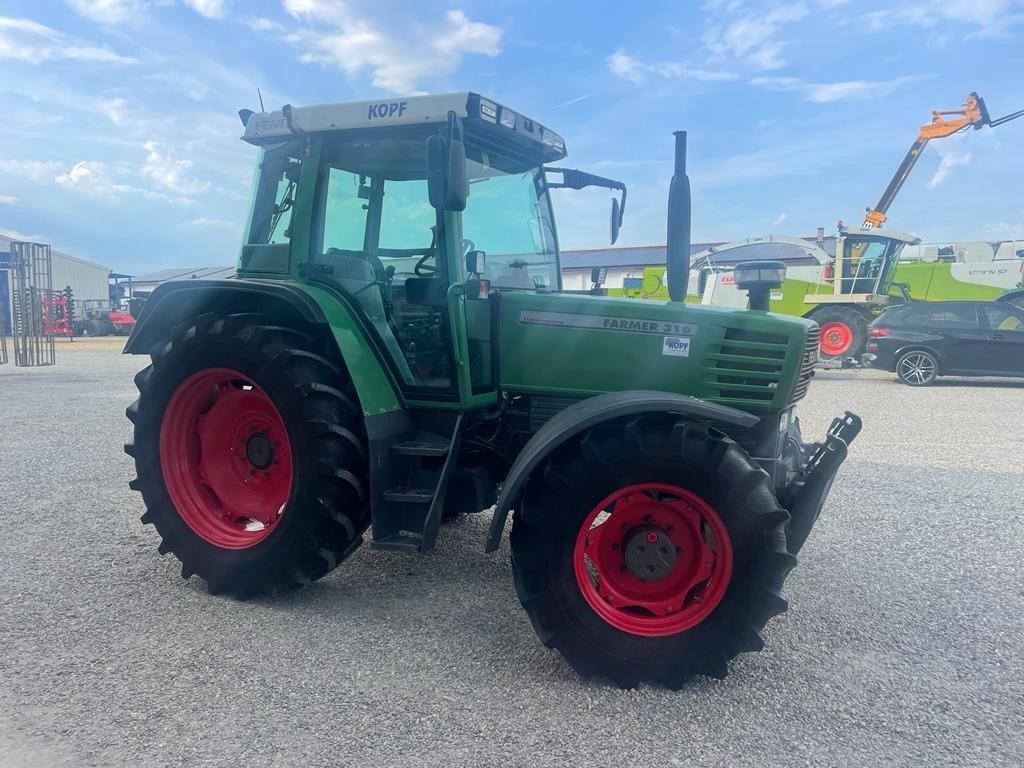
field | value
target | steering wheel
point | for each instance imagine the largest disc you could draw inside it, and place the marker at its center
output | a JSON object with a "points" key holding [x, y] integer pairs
{"points": [[422, 269]]}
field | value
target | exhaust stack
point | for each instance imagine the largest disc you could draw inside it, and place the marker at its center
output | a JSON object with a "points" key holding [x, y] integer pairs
{"points": [[678, 240]]}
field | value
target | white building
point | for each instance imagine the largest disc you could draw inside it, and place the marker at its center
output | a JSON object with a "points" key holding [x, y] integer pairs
{"points": [[87, 279]]}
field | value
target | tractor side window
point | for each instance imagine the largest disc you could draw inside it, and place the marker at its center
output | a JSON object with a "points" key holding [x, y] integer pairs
{"points": [[345, 214], [266, 244]]}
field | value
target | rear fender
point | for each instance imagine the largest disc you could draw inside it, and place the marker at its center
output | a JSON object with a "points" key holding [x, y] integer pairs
{"points": [[183, 300], [580, 417]]}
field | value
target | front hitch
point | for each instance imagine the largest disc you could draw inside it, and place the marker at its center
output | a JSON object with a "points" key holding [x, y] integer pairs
{"points": [[807, 497]]}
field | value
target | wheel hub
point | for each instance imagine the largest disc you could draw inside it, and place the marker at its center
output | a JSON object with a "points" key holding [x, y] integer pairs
{"points": [[650, 553], [225, 457], [653, 559], [260, 450]]}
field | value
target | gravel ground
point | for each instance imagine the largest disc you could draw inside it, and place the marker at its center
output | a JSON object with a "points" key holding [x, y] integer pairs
{"points": [[901, 646]]}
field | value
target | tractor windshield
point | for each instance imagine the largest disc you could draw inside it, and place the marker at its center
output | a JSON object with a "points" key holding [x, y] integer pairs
{"points": [[508, 216]]}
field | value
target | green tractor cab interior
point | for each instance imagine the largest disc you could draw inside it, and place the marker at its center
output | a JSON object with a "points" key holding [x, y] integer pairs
{"points": [[397, 350]]}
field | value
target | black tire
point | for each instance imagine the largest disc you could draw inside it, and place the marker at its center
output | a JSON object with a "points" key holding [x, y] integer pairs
{"points": [[854, 321], [661, 449], [327, 508], [917, 368]]}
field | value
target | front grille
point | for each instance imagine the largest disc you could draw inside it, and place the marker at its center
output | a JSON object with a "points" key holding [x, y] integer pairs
{"points": [[746, 367], [803, 381]]}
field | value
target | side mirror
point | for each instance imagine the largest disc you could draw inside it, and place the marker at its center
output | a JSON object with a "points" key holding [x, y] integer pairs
{"points": [[616, 220], [476, 262], [447, 185]]}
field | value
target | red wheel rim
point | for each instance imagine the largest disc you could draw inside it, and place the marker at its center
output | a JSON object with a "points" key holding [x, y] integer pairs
{"points": [[836, 338], [685, 591], [226, 458]]}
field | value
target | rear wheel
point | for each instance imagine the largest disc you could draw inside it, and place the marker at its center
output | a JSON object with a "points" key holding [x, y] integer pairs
{"points": [[250, 454], [651, 551], [844, 332], [918, 368]]}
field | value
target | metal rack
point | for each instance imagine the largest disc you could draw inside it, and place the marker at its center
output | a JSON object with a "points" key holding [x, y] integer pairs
{"points": [[31, 289]]}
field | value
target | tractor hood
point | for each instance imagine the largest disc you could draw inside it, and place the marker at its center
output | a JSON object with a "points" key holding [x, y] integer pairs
{"points": [[578, 345]]}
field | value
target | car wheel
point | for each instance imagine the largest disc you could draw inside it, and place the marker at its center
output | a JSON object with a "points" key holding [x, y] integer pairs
{"points": [[917, 368]]}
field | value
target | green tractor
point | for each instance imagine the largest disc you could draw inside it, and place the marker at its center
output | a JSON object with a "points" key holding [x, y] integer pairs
{"points": [[397, 351]]}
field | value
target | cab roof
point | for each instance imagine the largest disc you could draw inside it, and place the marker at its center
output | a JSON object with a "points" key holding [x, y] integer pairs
{"points": [[476, 110]]}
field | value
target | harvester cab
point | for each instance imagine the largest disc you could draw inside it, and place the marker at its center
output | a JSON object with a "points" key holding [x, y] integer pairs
{"points": [[397, 350]]}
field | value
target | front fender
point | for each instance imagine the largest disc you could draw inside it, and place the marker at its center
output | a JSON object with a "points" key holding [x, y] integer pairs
{"points": [[580, 417]]}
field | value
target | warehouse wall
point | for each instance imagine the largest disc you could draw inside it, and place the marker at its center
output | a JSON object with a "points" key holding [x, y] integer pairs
{"points": [[88, 280]]}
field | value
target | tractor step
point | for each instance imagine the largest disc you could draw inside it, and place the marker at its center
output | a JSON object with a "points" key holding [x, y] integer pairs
{"points": [[413, 486], [407, 494], [399, 542], [421, 448]]}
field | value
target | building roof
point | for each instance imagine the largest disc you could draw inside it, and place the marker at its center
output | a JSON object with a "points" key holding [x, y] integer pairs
{"points": [[5, 245], [186, 273], [652, 255]]}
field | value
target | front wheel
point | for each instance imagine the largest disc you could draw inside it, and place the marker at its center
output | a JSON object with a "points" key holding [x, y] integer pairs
{"points": [[917, 368], [844, 332], [651, 551]]}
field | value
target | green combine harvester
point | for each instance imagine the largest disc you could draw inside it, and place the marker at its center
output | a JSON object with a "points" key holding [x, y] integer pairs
{"points": [[397, 350]]}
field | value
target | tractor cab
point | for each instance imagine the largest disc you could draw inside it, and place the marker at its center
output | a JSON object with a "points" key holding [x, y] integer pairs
{"points": [[866, 262], [403, 208]]}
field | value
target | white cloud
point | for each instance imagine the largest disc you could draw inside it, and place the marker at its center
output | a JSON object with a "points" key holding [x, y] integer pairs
{"points": [[34, 170], [108, 11], [260, 24], [8, 199], [629, 67], [121, 11], [622, 64], [990, 16], [398, 60], [780, 218], [211, 9], [754, 36], [213, 223], [29, 41], [169, 172], [826, 93], [115, 109], [951, 159], [97, 179]]}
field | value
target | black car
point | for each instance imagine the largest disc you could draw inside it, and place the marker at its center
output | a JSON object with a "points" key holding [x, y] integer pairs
{"points": [[922, 341]]}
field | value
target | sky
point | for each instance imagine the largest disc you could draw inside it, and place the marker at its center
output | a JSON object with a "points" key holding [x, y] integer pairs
{"points": [[120, 141]]}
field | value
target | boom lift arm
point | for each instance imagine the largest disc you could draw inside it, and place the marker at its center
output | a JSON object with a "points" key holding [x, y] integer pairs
{"points": [[973, 114]]}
